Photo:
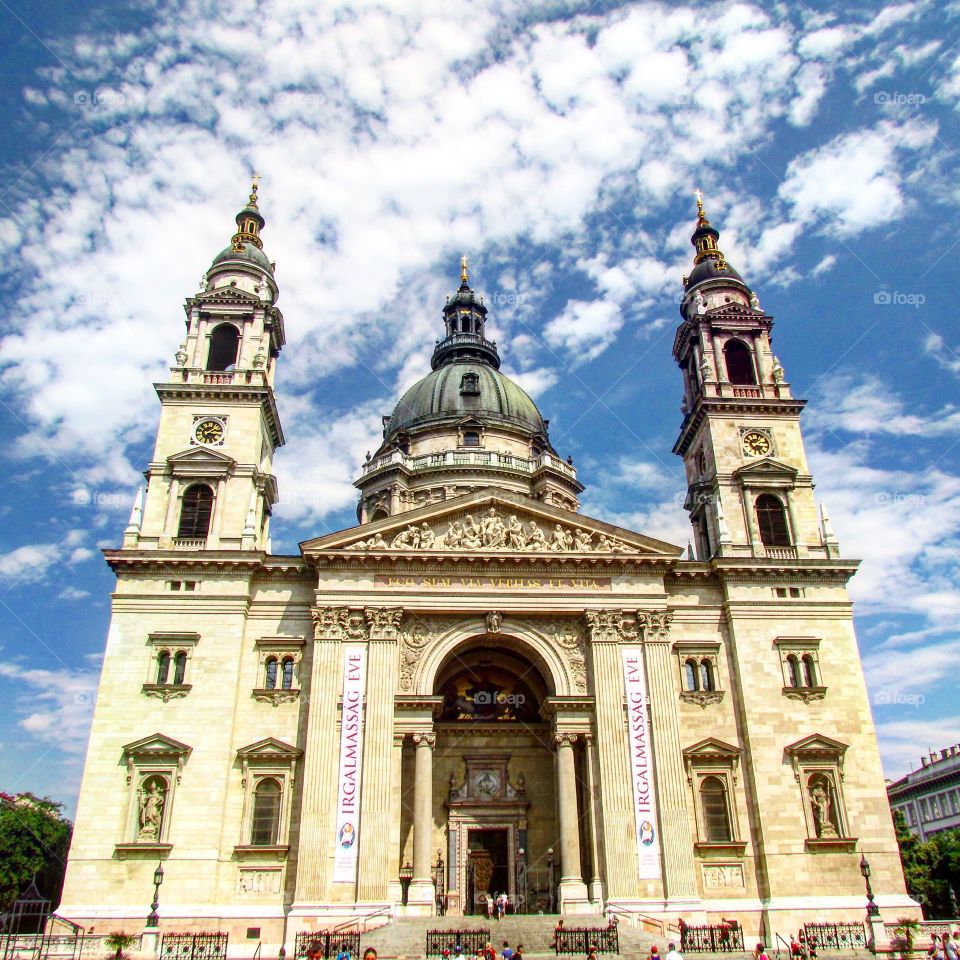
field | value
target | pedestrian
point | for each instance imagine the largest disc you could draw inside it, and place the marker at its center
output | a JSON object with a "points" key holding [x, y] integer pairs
{"points": [[370, 953], [457, 952], [592, 952], [315, 950], [760, 952], [682, 924], [344, 954], [506, 952], [489, 952], [795, 949], [951, 948], [518, 953], [673, 953], [935, 951], [654, 953], [489, 907]]}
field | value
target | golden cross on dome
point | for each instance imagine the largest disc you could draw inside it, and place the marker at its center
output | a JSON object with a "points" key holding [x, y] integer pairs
{"points": [[464, 274], [698, 193], [255, 179]]}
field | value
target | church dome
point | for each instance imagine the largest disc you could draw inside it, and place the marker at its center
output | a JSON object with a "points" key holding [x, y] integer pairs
{"points": [[249, 254], [463, 388]]}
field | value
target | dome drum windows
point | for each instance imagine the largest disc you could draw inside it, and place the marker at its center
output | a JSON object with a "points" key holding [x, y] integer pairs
{"points": [[799, 661], [168, 670], [470, 433], [698, 663], [278, 669], [268, 772]]}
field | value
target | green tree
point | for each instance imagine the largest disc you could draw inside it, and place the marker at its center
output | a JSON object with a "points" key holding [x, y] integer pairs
{"points": [[930, 867], [34, 839]]}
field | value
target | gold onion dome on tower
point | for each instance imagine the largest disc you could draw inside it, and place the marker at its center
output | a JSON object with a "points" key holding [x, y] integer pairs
{"points": [[709, 263], [246, 245]]}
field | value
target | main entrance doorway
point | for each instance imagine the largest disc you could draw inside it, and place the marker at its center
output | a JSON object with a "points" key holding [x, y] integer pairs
{"points": [[488, 868]]}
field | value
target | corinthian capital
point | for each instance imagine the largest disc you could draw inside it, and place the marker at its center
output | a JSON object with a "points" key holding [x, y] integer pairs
{"points": [[425, 739], [655, 625], [329, 623], [383, 622], [605, 626], [565, 739]]}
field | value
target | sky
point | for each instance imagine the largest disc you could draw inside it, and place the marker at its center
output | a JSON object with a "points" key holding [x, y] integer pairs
{"points": [[558, 146]]}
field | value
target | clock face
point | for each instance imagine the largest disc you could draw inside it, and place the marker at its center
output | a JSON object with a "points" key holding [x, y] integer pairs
{"points": [[756, 444], [209, 431]]}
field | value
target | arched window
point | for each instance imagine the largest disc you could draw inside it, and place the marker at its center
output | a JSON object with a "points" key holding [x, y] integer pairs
{"points": [[807, 671], [772, 521], [706, 675], [265, 826], [379, 514], [793, 670], [195, 512], [287, 673], [179, 667], [270, 681], [736, 356], [716, 814], [224, 343], [690, 674], [163, 666]]}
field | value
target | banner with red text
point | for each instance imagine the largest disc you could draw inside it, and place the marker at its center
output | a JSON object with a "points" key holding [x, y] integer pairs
{"points": [[641, 764], [351, 756]]}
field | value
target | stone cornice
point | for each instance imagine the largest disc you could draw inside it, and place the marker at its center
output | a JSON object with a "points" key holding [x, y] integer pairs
{"points": [[748, 407], [209, 562]]}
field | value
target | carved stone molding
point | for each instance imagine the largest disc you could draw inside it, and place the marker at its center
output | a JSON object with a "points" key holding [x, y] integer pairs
{"points": [[383, 622], [655, 625], [338, 623], [166, 691], [565, 739], [701, 697], [275, 697], [415, 634], [567, 636], [605, 626], [430, 739], [806, 694]]}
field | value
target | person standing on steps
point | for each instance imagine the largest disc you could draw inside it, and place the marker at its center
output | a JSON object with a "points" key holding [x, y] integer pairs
{"points": [[673, 953], [506, 953]]}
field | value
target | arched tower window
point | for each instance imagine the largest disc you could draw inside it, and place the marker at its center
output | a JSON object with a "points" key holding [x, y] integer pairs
{"points": [[179, 667], [793, 670], [716, 812], [224, 343], [772, 521], [265, 826], [706, 675], [287, 679], [736, 356], [195, 512], [690, 674], [807, 671], [270, 680], [163, 666]]}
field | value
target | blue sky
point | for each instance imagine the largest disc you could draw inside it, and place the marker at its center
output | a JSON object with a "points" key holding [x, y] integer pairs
{"points": [[556, 144]]}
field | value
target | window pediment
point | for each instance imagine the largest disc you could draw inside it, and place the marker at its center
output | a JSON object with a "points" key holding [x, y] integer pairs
{"points": [[816, 750], [766, 470], [269, 750], [712, 750], [200, 462], [156, 747]]}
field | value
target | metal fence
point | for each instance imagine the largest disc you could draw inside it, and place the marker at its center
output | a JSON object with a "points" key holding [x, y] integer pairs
{"points": [[58, 946], [711, 938], [582, 939], [330, 942], [194, 946], [835, 936], [469, 941]]}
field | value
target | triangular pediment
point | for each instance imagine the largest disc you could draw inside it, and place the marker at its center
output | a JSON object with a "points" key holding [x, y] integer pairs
{"points": [[270, 748], [767, 468], [711, 748], [816, 745], [486, 522], [228, 295], [156, 745], [200, 455]]}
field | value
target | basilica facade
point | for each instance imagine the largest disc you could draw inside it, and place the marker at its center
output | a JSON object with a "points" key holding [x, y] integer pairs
{"points": [[477, 689]]}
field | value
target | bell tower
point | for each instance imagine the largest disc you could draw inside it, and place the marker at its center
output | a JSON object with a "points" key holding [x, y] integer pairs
{"points": [[210, 483], [749, 489]]}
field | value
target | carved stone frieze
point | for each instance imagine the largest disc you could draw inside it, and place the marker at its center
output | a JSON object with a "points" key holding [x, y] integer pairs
{"points": [[655, 625], [496, 531], [167, 691], [567, 636], [701, 697], [806, 694], [414, 634], [275, 697]]}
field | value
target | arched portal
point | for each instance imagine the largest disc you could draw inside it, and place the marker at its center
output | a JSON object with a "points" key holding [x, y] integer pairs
{"points": [[494, 796]]}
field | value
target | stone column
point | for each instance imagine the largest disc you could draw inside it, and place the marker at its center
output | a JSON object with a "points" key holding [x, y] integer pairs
{"points": [[421, 895], [617, 841], [573, 891], [375, 861], [676, 843], [590, 758], [321, 757]]}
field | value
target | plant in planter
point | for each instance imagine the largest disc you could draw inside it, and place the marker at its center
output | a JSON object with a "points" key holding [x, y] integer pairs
{"points": [[905, 934], [118, 942]]}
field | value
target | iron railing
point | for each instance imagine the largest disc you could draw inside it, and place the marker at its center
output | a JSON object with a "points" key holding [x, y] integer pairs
{"points": [[330, 942], [469, 941], [194, 946], [835, 936], [711, 938], [582, 939]]}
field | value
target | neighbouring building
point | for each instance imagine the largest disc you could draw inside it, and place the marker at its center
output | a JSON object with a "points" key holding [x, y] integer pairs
{"points": [[477, 688], [929, 797]]}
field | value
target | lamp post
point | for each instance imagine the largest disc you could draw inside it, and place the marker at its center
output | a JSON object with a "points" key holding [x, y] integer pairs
{"points": [[550, 880], [872, 909], [154, 919], [521, 904]]}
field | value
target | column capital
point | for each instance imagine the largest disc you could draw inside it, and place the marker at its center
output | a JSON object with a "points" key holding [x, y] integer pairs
{"points": [[655, 625], [605, 626], [425, 740], [565, 739], [338, 623], [383, 622]]}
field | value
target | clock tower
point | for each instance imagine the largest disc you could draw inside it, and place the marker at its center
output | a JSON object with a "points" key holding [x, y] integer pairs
{"points": [[210, 483], [749, 489]]}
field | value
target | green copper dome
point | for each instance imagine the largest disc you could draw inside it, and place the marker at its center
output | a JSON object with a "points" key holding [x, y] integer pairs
{"points": [[250, 254], [461, 389]]}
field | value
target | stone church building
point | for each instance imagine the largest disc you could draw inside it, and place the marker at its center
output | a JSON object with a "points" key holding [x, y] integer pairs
{"points": [[477, 689]]}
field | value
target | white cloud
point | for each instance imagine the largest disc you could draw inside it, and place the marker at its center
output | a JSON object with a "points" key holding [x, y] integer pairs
{"points": [[904, 742], [585, 328], [28, 563], [947, 357]]}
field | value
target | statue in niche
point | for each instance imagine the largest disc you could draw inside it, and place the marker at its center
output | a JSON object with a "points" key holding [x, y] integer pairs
{"points": [[494, 620], [778, 374], [152, 801], [701, 304], [822, 806]]}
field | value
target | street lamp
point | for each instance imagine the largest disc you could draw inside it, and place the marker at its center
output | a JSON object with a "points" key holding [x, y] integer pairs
{"points": [[550, 879], [872, 909], [154, 919]]}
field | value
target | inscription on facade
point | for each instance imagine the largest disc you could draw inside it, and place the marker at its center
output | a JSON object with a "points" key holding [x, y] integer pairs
{"points": [[523, 584]]}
